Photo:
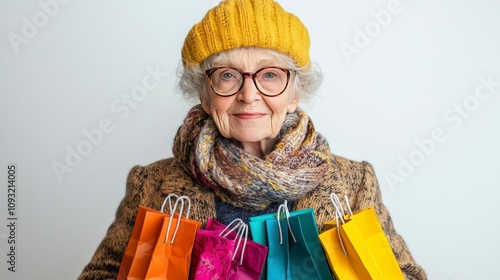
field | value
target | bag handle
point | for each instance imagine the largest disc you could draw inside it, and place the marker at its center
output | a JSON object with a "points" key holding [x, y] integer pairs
{"points": [[339, 209], [169, 199], [230, 227], [339, 215], [284, 208], [242, 229], [348, 205], [181, 199]]}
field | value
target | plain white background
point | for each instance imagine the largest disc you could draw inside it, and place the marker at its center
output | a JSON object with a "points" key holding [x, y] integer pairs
{"points": [[408, 98]]}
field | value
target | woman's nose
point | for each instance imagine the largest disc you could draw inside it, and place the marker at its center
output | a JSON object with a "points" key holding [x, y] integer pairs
{"points": [[249, 92]]}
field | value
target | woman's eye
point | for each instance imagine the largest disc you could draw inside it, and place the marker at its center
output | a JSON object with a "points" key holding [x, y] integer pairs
{"points": [[227, 75], [269, 75]]}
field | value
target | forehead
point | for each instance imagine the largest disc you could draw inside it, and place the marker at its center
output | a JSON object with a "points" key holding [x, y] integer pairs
{"points": [[248, 59]]}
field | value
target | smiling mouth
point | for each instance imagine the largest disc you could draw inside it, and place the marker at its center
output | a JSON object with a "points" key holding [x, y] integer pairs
{"points": [[249, 115]]}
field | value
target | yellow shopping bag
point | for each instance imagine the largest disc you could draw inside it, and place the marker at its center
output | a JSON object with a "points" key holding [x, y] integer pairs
{"points": [[356, 246]]}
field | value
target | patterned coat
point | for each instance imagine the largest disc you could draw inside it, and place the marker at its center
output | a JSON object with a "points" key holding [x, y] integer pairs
{"points": [[149, 185]]}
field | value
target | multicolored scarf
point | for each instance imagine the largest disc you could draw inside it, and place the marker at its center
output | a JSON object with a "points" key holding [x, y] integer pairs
{"points": [[295, 166]]}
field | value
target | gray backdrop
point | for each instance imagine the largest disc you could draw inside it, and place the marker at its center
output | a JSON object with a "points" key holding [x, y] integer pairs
{"points": [[87, 90]]}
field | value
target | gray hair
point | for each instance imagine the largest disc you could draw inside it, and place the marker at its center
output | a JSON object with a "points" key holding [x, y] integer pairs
{"points": [[192, 76]]}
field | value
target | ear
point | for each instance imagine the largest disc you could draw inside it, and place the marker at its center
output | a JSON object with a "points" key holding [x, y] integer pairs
{"points": [[205, 105], [292, 105], [205, 100]]}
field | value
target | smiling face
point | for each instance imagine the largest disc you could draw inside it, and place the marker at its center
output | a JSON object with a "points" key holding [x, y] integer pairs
{"points": [[248, 117]]}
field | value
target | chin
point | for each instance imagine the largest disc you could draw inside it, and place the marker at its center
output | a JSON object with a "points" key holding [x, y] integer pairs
{"points": [[254, 138], [248, 140]]}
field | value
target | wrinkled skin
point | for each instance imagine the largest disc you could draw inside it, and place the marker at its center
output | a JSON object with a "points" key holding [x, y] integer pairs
{"points": [[249, 118]]}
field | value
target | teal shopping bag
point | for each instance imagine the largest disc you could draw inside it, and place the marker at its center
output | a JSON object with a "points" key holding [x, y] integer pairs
{"points": [[277, 257], [258, 229], [305, 258]]}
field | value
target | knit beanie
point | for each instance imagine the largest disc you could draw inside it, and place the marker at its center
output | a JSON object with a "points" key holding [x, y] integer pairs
{"points": [[247, 23]]}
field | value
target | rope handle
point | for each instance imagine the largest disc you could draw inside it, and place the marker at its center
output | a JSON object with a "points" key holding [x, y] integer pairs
{"points": [[284, 208], [339, 215], [230, 227], [339, 210], [172, 213], [241, 230], [169, 199]]}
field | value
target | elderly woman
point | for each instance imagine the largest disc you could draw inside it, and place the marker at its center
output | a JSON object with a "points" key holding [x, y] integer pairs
{"points": [[247, 146]]}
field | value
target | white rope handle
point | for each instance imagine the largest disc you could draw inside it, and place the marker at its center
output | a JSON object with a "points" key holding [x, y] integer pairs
{"points": [[242, 231], [230, 227], [287, 216], [169, 199], [279, 224], [338, 233], [339, 215], [348, 204], [339, 210], [181, 199]]}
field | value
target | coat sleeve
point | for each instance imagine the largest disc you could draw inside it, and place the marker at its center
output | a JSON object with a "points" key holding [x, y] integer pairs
{"points": [[106, 261], [369, 195]]}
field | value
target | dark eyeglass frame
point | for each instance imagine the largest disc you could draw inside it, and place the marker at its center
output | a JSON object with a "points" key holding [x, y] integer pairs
{"points": [[211, 71]]}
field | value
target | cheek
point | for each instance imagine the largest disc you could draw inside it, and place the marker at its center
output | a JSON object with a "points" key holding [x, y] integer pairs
{"points": [[222, 123], [216, 105], [278, 116], [218, 108], [280, 106]]}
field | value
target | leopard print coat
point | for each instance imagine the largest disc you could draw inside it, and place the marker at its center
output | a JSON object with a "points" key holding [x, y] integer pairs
{"points": [[149, 185]]}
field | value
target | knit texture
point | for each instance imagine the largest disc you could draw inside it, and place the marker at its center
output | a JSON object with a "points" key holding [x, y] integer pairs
{"points": [[226, 213], [247, 23], [293, 168]]}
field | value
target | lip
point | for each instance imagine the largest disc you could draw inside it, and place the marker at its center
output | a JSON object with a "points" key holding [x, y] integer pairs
{"points": [[248, 116]]}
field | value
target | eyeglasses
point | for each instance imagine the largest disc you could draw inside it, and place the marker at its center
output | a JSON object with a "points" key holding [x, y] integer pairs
{"points": [[270, 81]]}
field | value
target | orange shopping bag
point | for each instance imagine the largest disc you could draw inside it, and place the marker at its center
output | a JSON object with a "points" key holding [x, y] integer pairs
{"points": [[147, 228], [171, 257], [356, 245]]}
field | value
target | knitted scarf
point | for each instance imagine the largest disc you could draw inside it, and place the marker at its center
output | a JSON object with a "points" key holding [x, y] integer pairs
{"points": [[294, 167]]}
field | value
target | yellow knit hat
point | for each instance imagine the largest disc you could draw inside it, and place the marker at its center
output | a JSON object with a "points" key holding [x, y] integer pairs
{"points": [[247, 23]]}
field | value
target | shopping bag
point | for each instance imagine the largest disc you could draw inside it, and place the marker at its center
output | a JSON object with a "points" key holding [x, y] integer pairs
{"points": [[277, 255], [147, 227], [172, 254], [313, 264], [247, 257], [304, 257], [212, 254], [335, 250], [363, 241], [273, 231], [277, 231]]}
